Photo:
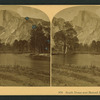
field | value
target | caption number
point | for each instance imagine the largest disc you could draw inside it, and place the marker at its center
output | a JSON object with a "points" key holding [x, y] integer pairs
{"points": [[60, 92]]}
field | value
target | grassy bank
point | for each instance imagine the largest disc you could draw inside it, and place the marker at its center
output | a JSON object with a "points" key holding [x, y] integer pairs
{"points": [[73, 75], [22, 76]]}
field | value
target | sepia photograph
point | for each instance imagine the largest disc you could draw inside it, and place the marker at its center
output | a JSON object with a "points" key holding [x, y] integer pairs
{"points": [[76, 46], [24, 46]]}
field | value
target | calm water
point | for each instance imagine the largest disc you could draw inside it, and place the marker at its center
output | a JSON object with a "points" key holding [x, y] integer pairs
{"points": [[23, 60], [78, 59]]}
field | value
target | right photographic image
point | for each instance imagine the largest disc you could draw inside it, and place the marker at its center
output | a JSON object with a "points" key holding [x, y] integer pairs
{"points": [[76, 47]]}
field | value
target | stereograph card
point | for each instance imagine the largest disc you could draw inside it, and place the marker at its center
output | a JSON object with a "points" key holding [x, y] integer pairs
{"points": [[49, 49]]}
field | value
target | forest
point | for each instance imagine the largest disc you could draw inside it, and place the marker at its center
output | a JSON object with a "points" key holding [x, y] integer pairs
{"points": [[38, 42]]}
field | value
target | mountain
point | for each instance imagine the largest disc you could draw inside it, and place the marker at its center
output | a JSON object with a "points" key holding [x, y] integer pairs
{"points": [[89, 24], [86, 24], [13, 26], [57, 24]]}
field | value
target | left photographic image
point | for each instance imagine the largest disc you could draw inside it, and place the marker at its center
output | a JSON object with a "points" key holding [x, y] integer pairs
{"points": [[24, 46]]}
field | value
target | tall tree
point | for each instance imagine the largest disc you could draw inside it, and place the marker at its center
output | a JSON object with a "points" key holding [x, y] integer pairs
{"points": [[38, 40], [93, 45], [66, 37]]}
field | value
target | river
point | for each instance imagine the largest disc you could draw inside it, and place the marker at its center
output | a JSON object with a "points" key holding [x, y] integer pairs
{"points": [[23, 60], [77, 59]]}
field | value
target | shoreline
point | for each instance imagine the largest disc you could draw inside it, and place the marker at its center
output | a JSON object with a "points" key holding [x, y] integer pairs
{"points": [[95, 53]]}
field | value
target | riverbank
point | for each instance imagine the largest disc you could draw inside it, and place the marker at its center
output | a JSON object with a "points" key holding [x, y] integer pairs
{"points": [[76, 52], [73, 75], [42, 56], [23, 76]]}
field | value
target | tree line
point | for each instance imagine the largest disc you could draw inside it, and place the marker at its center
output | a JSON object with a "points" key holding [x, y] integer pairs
{"points": [[38, 42], [93, 47]]}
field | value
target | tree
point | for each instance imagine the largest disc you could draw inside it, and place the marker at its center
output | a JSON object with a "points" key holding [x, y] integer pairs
{"points": [[15, 45], [38, 40], [98, 46], [93, 45], [85, 47], [67, 38], [20, 46]]}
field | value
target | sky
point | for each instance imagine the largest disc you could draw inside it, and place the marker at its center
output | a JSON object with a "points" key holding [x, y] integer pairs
{"points": [[69, 13], [26, 11]]}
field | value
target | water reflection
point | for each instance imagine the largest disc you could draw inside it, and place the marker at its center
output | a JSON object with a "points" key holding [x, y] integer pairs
{"points": [[77, 59], [23, 60]]}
